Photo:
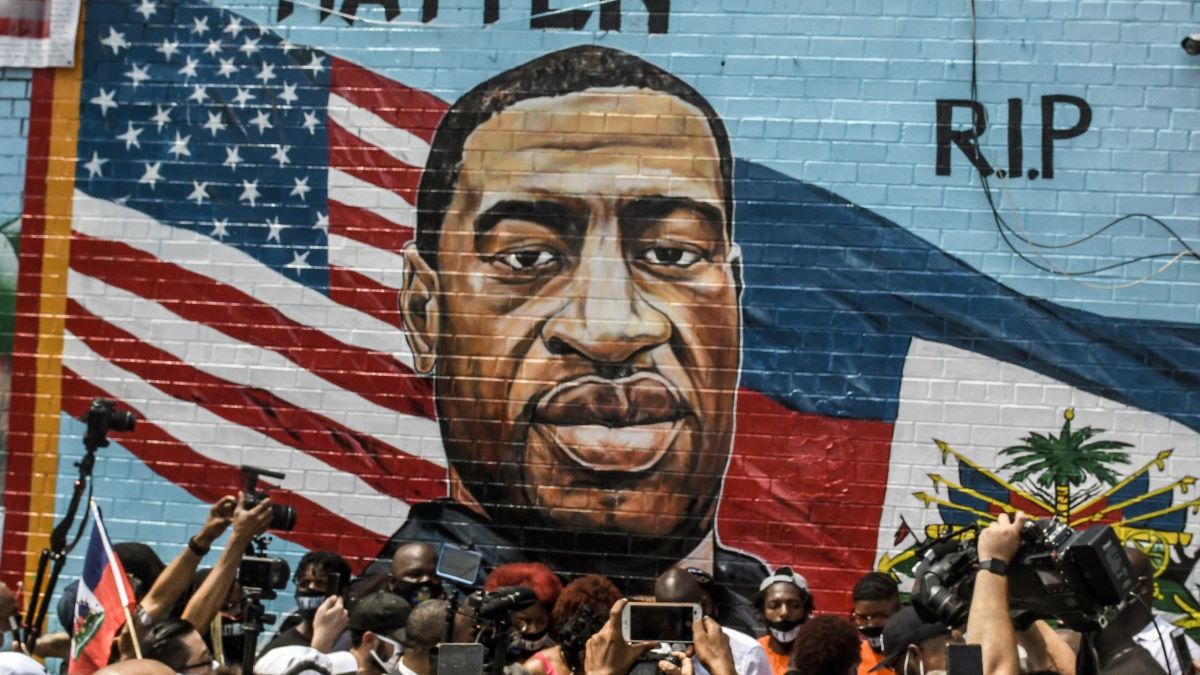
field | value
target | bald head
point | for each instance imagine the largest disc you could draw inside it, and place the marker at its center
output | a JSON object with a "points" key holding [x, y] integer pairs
{"points": [[137, 667], [678, 585], [1143, 569], [426, 625], [415, 562]]}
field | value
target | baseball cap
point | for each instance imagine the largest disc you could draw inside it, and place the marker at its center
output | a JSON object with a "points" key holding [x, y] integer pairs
{"points": [[786, 575], [380, 612], [903, 629]]}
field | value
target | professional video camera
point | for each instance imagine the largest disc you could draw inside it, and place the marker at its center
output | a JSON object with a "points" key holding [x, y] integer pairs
{"points": [[282, 517], [1080, 578]]}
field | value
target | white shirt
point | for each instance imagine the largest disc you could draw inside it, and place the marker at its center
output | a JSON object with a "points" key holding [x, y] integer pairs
{"points": [[749, 658], [1148, 639]]}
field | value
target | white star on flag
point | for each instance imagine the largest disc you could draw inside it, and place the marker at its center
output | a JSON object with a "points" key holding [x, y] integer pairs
{"points": [[262, 121], [147, 8], [105, 100], [152, 175], [213, 48], [299, 261], [168, 48], [199, 192], [250, 191], [311, 122], [288, 95], [242, 97], [199, 94], [220, 230], [131, 137], [199, 25], [116, 40], [281, 154], [276, 228], [189, 67], [94, 165], [232, 157], [138, 74], [301, 189], [179, 147], [214, 123]]}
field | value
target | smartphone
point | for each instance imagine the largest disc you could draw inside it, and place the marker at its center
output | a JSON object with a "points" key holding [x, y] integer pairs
{"points": [[460, 658], [1184, 654], [333, 584], [964, 659], [659, 621], [458, 565]]}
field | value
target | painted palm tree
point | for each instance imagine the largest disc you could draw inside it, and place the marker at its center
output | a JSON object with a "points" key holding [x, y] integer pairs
{"points": [[1065, 460]]}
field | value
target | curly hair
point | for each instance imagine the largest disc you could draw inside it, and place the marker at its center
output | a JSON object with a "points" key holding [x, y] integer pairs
{"points": [[825, 645], [593, 591], [586, 621], [545, 583]]}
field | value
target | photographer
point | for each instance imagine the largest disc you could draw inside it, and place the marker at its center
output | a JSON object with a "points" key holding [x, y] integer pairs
{"points": [[989, 623], [679, 585], [608, 653], [211, 596], [321, 617]]}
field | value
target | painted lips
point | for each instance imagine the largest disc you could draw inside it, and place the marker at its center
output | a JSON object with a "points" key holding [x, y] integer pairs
{"points": [[626, 424]]}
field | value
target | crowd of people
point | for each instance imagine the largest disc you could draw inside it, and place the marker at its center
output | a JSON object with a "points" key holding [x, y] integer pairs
{"points": [[397, 619]]}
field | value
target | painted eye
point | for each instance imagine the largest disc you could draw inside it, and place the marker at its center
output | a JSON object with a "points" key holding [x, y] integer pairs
{"points": [[672, 256], [526, 259]]}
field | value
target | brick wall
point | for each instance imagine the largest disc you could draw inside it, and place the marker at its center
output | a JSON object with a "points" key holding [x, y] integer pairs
{"points": [[215, 229]]}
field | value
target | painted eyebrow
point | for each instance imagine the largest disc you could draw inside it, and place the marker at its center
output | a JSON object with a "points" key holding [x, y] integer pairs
{"points": [[655, 207], [549, 214]]}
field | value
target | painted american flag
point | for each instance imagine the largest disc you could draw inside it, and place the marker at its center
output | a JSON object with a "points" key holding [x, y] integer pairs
{"points": [[38, 33], [239, 209]]}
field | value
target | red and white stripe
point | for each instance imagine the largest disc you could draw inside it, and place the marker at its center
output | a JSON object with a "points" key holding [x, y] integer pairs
{"points": [[229, 362]]}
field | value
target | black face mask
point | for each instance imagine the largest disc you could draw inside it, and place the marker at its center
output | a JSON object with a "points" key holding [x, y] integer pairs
{"points": [[307, 603], [784, 631], [874, 637], [418, 592]]}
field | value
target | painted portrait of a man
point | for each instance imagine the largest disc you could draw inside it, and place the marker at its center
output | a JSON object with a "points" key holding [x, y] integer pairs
{"points": [[573, 290]]}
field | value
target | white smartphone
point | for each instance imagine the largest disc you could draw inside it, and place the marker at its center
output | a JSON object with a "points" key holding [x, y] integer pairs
{"points": [[659, 621]]}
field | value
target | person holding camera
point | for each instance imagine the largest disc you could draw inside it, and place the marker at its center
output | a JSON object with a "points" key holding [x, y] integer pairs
{"points": [[608, 652], [989, 623], [320, 619]]}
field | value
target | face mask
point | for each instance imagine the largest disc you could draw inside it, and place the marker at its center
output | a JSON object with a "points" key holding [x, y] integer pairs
{"points": [[874, 637], [536, 642], [416, 593], [921, 667], [785, 630], [392, 665], [307, 603]]}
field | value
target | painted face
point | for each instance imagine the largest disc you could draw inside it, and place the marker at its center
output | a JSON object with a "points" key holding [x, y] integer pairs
{"points": [[586, 323]]}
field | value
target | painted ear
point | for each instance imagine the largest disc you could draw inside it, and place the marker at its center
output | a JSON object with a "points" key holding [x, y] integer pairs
{"points": [[419, 311]]}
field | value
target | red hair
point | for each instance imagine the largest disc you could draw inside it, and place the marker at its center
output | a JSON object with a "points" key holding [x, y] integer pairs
{"points": [[591, 590], [545, 583]]}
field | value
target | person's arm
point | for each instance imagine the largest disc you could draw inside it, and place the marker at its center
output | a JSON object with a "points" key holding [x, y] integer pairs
{"points": [[328, 624], [247, 524], [712, 647], [607, 652], [1046, 650], [989, 624], [179, 574]]}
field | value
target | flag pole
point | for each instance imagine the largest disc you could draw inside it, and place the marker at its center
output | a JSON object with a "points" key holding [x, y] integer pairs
{"points": [[133, 634]]}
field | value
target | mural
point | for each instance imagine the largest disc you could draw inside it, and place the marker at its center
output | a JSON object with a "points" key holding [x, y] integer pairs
{"points": [[564, 311]]}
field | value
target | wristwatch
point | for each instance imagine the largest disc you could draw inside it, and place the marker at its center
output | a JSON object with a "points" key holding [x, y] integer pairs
{"points": [[995, 566]]}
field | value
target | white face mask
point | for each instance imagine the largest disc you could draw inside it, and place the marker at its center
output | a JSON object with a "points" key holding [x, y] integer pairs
{"points": [[392, 665], [784, 637]]}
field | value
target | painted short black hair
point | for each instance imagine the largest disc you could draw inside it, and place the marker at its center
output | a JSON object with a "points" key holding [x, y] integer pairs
{"points": [[164, 642], [559, 73]]}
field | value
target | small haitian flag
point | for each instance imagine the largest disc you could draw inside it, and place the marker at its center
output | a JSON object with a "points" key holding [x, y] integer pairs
{"points": [[104, 593]]}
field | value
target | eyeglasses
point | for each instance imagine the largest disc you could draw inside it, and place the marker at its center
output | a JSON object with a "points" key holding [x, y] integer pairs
{"points": [[206, 662]]}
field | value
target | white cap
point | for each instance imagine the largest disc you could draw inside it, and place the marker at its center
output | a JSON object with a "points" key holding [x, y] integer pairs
{"points": [[283, 659], [787, 576]]}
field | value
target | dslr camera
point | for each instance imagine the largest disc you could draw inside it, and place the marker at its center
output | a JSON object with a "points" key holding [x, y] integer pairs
{"points": [[1082, 578], [104, 416], [282, 517]]}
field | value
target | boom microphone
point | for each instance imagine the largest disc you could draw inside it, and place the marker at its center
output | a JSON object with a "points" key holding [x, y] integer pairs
{"points": [[504, 600]]}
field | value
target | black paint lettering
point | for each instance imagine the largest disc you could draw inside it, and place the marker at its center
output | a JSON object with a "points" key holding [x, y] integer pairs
{"points": [[967, 140], [545, 17], [660, 14], [391, 8], [610, 15], [429, 10], [1016, 141], [1051, 134]]}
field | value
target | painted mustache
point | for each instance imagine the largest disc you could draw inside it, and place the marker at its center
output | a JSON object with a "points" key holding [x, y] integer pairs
{"points": [[639, 399]]}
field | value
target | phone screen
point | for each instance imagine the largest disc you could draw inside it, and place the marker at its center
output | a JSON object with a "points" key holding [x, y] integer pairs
{"points": [[964, 659], [458, 564], [659, 622], [1182, 651], [333, 584], [460, 658]]}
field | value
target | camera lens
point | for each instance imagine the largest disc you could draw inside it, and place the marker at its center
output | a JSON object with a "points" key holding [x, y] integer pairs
{"points": [[121, 420], [283, 517]]}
